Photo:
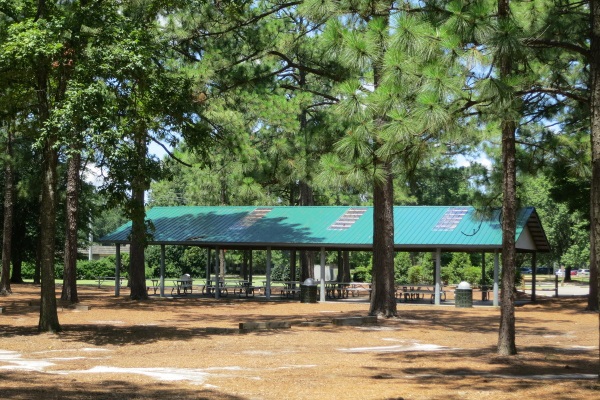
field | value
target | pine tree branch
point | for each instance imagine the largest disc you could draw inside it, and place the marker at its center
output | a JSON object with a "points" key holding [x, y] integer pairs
{"points": [[544, 43], [292, 64], [297, 88], [173, 156], [554, 91], [242, 24]]}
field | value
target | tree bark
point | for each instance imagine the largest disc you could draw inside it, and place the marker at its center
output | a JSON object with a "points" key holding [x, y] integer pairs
{"points": [[307, 257], [7, 231], [137, 263], [19, 238], [506, 335], [383, 299], [69, 291], [593, 298], [48, 321], [222, 265]]}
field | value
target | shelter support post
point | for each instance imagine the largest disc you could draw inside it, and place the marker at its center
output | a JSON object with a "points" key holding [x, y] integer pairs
{"points": [[162, 270], [207, 264], [322, 282], [217, 277], [118, 270], [495, 302], [268, 288], [533, 275], [251, 268], [293, 264], [438, 275], [483, 282]]}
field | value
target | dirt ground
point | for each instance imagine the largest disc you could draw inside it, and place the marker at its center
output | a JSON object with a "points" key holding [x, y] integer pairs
{"points": [[190, 348]]}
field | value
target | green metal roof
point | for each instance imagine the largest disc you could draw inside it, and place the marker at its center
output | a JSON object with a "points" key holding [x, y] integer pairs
{"points": [[416, 228]]}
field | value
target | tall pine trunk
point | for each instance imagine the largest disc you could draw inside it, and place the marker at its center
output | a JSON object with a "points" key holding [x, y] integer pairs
{"points": [[593, 300], [506, 335], [7, 231], [137, 264], [69, 291], [383, 294], [383, 300], [307, 257]]}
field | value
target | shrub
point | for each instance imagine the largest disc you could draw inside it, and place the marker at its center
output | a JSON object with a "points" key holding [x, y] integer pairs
{"points": [[418, 274], [362, 274], [402, 264], [280, 273], [472, 275]]}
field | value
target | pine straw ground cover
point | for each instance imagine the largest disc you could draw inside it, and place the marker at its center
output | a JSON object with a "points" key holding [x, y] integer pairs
{"points": [[189, 348]]}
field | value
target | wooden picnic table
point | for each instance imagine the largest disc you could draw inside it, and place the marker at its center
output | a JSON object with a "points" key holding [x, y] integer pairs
{"points": [[181, 286], [413, 292], [101, 279]]}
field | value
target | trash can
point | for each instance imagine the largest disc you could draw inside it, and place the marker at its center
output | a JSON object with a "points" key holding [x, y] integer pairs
{"points": [[463, 295], [308, 291]]}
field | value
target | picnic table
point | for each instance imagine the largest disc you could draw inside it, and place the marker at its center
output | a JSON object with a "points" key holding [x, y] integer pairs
{"points": [[181, 286], [289, 288], [210, 287], [101, 279], [245, 288], [415, 292], [355, 289], [338, 290]]}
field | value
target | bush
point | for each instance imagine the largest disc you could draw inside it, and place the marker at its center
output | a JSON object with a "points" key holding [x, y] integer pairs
{"points": [[27, 270], [362, 274], [472, 275], [402, 264], [280, 273], [419, 274]]}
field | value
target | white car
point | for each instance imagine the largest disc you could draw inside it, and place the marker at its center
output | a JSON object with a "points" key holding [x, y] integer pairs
{"points": [[560, 273], [583, 272]]}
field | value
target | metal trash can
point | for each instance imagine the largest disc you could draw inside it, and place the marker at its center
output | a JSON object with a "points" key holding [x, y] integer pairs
{"points": [[308, 291], [463, 295]]}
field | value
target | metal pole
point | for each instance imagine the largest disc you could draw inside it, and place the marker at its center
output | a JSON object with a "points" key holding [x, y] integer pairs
{"points": [[496, 275], [533, 276], [438, 275], [322, 296], [162, 270], [207, 265], [268, 288], [118, 270], [217, 277]]}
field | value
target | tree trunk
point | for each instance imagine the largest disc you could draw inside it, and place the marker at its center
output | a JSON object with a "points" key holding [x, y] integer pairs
{"points": [[383, 299], [19, 232], [48, 321], [7, 232], [307, 257], [69, 291], [137, 264], [48, 313], [38, 255], [593, 300], [292, 265], [17, 269], [222, 265], [506, 335]]}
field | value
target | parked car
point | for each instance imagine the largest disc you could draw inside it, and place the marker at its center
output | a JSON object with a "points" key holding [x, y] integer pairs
{"points": [[560, 273], [543, 270], [573, 272], [583, 272], [526, 270]]}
